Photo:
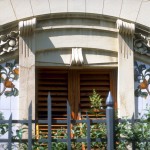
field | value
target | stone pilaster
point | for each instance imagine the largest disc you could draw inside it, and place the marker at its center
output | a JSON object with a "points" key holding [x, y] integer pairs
{"points": [[126, 102], [27, 67]]}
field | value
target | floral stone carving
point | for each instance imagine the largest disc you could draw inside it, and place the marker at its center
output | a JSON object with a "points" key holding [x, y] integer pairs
{"points": [[9, 42], [8, 75], [141, 44], [142, 76]]}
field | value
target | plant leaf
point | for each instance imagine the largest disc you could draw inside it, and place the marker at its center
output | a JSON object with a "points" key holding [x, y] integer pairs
{"points": [[15, 92], [144, 94], [8, 93], [137, 92]]}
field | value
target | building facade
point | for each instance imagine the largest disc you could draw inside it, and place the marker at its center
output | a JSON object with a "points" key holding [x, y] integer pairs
{"points": [[69, 48]]}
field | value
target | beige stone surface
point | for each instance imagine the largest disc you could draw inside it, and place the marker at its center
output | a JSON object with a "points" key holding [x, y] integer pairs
{"points": [[94, 6], [130, 9], [62, 57], [76, 38], [27, 77], [143, 16], [58, 6], [40, 8], [6, 12], [126, 101], [112, 8], [27, 67], [76, 6], [22, 8]]}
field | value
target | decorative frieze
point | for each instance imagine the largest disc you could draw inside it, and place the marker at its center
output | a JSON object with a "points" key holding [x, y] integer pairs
{"points": [[9, 42], [141, 44]]}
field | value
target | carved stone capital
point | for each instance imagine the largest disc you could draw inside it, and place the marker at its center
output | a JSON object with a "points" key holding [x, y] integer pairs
{"points": [[125, 27], [27, 27], [9, 42], [141, 44]]}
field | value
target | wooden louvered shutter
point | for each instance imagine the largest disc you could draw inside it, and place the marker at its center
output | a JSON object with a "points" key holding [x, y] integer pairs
{"points": [[55, 82], [98, 80], [74, 85]]}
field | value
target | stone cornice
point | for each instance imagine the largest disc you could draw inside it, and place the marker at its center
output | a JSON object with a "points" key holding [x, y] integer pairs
{"points": [[9, 42], [141, 44]]}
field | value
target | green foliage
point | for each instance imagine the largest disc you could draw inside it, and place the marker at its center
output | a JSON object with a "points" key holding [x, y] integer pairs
{"points": [[137, 131], [3, 127], [96, 104], [95, 100], [1, 116], [57, 135]]}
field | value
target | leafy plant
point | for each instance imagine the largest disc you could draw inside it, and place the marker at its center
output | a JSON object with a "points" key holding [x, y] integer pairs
{"points": [[136, 132], [3, 127], [95, 103], [1, 116], [95, 100]]}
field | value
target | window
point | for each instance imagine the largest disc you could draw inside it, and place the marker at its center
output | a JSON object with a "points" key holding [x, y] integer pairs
{"points": [[76, 85]]}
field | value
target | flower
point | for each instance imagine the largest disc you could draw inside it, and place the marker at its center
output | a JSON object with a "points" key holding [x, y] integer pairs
{"points": [[8, 84], [144, 84], [16, 71]]}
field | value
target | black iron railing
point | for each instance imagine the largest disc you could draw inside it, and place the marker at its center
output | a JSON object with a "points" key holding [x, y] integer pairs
{"points": [[109, 121]]}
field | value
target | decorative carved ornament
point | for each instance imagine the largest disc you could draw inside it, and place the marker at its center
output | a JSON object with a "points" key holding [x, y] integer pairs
{"points": [[27, 27], [9, 42], [125, 27], [141, 44], [77, 57]]}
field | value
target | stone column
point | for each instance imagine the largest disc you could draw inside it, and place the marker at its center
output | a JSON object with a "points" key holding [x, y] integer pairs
{"points": [[27, 67], [126, 101]]}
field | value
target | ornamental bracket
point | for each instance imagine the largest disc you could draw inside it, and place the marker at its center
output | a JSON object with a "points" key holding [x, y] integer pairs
{"points": [[27, 27], [9, 42], [77, 57], [141, 44]]}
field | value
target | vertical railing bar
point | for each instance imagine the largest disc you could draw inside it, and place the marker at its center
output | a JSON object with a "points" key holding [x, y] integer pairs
{"points": [[10, 132], [68, 126], [133, 141], [88, 132], [30, 127], [49, 121], [110, 122]]}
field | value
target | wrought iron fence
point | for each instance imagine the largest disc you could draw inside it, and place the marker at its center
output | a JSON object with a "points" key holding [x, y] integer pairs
{"points": [[109, 121]]}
